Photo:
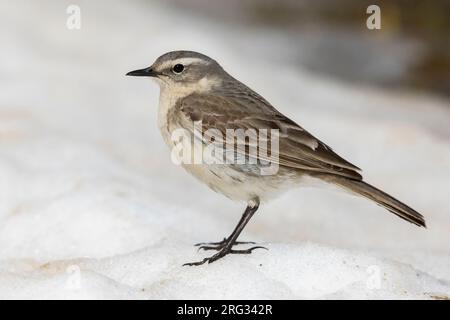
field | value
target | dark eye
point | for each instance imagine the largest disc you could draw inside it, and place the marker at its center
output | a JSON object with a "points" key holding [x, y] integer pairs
{"points": [[178, 68]]}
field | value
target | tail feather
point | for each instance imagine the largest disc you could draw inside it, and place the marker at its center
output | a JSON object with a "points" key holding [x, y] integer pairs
{"points": [[382, 199]]}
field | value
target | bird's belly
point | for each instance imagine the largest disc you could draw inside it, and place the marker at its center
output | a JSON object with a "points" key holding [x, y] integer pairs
{"points": [[239, 185]]}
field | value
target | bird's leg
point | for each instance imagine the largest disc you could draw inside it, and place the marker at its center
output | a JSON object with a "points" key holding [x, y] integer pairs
{"points": [[226, 246]]}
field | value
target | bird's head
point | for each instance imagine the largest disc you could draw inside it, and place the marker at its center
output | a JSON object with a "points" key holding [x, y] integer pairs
{"points": [[185, 69]]}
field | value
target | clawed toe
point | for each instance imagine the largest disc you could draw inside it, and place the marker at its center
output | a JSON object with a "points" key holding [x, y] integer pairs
{"points": [[211, 243], [247, 251], [217, 248], [206, 248], [219, 245], [222, 253], [193, 264]]}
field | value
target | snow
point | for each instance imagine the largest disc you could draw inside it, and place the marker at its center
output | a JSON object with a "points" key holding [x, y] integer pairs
{"points": [[91, 206]]}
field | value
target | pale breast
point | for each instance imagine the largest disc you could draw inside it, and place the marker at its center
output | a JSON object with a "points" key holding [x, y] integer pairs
{"points": [[166, 101], [234, 182]]}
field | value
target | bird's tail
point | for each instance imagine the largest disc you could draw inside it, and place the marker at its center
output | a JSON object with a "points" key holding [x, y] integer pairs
{"points": [[381, 198]]}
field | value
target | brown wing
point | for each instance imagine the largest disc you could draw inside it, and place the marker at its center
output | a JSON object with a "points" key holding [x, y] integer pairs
{"points": [[297, 147]]}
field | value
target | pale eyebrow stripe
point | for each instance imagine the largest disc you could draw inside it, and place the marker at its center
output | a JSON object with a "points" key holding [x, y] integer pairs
{"points": [[183, 61]]}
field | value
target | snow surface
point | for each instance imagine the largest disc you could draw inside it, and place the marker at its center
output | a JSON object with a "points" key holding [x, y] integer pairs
{"points": [[92, 207]]}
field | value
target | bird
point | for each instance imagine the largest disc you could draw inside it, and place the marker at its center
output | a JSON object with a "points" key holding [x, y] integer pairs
{"points": [[198, 96]]}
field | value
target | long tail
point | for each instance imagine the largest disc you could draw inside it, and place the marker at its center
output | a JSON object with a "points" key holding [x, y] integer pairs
{"points": [[381, 198]]}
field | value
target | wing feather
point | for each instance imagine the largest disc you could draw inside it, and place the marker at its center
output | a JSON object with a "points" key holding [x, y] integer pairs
{"points": [[298, 149]]}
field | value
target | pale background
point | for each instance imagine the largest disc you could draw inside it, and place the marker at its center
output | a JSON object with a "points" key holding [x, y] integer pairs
{"points": [[92, 207]]}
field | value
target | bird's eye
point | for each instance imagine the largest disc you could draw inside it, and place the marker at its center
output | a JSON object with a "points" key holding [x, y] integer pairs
{"points": [[178, 68]]}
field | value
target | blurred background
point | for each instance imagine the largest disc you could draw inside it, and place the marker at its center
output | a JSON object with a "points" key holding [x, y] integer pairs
{"points": [[411, 50], [86, 182]]}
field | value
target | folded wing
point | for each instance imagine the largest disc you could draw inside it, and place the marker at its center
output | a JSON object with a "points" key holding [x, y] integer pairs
{"points": [[298, 149]]}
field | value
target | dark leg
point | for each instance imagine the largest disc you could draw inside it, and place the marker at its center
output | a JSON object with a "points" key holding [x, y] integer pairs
{"points": [[227, 245]]}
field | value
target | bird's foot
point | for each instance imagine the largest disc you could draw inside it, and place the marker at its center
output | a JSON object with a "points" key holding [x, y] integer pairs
{"points": [[224, 250], [219, 245]]}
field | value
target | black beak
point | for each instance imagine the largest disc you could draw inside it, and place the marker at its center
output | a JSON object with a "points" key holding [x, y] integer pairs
{"points": [[147, 72]]}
